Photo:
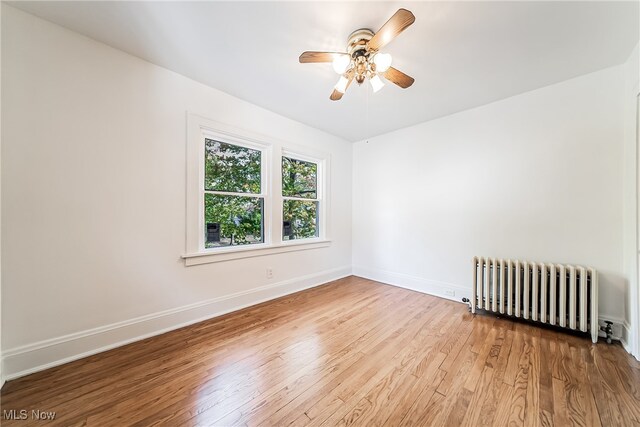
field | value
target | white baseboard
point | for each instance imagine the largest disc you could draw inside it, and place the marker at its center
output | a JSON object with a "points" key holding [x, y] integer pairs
{"points": [[24, 360], [445, 290], [629, 344]]}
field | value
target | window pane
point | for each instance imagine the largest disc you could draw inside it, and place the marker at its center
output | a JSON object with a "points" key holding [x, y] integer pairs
{"points": [[299, 178], [300, 219], [231, 168], [232, 220]]}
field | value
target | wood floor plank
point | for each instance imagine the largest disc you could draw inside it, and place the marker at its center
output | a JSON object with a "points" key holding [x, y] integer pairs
{"points": [[503, 405], [560, 411], [462, 363], [351, 352], [484, 324], [577, 402], [518, 398], [606, 401], [517, 347], [480, 362], [489, 405], [592, 415], [625, 374], [473, 411], [532, 411], [459, 336], [452, 387], [428, 377], [545, 414], [427, 405]]}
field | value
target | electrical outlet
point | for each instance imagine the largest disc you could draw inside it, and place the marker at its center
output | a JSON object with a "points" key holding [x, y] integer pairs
{"points": [[269, 273], [450, 292]]}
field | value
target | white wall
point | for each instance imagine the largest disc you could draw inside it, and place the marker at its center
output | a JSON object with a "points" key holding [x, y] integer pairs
{"points": [[537, 176], [93, 199], [631, 218]]}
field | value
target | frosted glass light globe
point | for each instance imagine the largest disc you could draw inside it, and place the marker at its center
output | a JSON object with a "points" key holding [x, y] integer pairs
{"points": [[376, 83], [341, 86], [341, 63], [382, 61]]}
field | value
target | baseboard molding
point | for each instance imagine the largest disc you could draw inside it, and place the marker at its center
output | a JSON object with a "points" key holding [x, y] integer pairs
{"points": [[24, 360], [445, 290], [630, 345]]}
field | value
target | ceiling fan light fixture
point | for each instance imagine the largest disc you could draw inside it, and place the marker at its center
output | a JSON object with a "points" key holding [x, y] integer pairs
{"points": [[341, 86], [382, 61], [376, 83], [363, 60], [341, 63]]}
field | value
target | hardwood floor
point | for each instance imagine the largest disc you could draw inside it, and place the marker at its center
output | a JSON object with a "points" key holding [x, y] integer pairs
{"points": [[352, 352]]}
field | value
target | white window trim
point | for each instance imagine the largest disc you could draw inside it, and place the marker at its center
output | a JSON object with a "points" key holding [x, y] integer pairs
{"points": [[321, 185], [199, 127]]}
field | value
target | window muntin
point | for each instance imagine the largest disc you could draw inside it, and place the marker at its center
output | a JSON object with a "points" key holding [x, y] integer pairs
{"points": [[301, 203], [233, 202]]}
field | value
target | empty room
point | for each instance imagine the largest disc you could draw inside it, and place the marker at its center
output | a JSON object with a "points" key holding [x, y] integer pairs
{"points": [[319, 213]]}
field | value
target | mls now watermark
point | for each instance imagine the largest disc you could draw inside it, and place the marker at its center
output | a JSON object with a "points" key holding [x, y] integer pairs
{"points": [[23, 414]]}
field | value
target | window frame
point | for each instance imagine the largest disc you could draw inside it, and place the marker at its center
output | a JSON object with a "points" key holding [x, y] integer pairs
{"points": [[272, 151], [264, 188], [320, 191]]}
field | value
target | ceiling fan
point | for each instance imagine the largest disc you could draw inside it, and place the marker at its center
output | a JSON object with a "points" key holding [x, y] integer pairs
{"points": [[363, 58]]}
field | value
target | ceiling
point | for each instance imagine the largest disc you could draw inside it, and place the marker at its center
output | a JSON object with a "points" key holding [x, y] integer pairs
{"points": [[462, 54]]}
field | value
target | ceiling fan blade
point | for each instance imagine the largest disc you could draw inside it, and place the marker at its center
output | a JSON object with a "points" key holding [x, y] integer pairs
{"points": [[337, 95], [394, 26], [309, 56], [398, 77]]}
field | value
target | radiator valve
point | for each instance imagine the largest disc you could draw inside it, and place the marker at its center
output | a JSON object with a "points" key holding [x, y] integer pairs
{"points": [[467, 301], [607, 329]]}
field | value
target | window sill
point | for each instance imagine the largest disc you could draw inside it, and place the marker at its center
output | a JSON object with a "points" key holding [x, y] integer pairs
{"points": [[228, 254]]}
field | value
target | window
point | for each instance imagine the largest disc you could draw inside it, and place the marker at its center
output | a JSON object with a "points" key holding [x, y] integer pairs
{"points": [[300, 202], [248, 195], [233, 199]]}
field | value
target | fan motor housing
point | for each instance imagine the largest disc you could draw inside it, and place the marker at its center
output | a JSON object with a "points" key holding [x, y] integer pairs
{"points": [[357, 42]]}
